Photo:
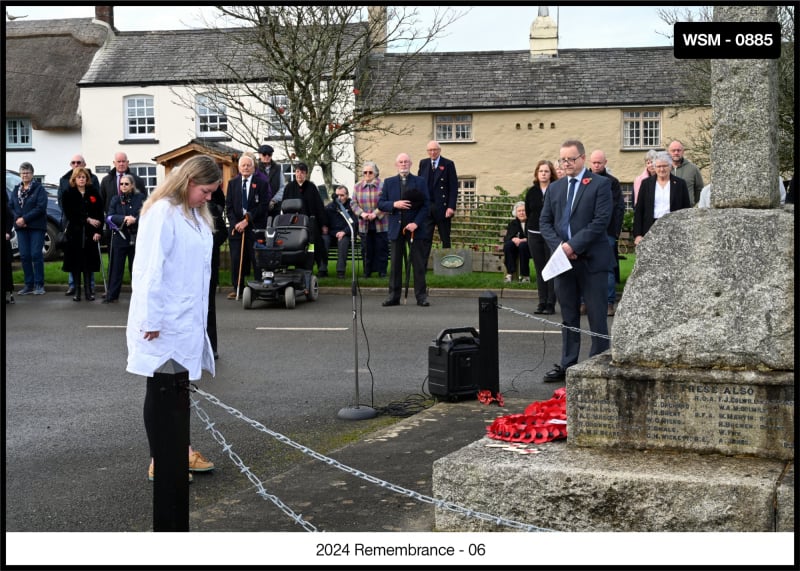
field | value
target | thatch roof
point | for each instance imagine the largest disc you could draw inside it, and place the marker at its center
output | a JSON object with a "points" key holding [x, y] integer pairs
{"points": [[45, 59]]}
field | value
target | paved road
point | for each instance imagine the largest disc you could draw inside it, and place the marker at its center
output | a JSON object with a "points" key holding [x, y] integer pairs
{"points": [[75, 444]]}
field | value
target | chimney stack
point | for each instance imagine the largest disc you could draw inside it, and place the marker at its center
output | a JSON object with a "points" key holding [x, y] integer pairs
{"points": [[377, 28], [104, 14], [544, 36]]}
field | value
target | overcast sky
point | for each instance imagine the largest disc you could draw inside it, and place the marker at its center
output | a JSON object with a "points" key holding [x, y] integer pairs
{"points": [[481, 28]]}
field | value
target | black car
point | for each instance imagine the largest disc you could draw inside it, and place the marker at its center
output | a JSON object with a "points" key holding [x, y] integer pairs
{"points": [[54, 217]]}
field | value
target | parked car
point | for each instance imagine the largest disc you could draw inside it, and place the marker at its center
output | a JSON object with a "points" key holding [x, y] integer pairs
{"points": [[54, 217]]}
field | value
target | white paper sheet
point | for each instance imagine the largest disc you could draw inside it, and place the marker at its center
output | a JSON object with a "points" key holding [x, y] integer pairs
{"points": [[556, 265]]}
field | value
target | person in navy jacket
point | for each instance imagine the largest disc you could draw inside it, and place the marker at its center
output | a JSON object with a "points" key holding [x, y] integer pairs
{"points": [[407, 200], [29, 205], [579, 229], [440, 175], [123, 213], [244, 218]]}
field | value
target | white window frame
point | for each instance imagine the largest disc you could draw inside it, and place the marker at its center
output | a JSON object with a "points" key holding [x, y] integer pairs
{"points": [[148, 173], [276, 126], [467, 196], [641, 129], [210, 116], [19, 134], [140, 117], [454, 127]]}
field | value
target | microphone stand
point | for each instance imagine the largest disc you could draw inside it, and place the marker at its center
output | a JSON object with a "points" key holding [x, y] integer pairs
{"points": [[356, 412]]}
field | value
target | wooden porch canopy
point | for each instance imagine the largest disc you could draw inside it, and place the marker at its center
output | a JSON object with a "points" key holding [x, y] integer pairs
{"points": [[226, 157]]}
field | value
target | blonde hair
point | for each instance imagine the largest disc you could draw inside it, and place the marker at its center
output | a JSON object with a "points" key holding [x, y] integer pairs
{"points": [[76, 172], [199, 169]]}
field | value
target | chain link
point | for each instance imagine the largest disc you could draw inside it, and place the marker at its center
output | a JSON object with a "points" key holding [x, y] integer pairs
{"points": [[334, 463], [548, 322]]}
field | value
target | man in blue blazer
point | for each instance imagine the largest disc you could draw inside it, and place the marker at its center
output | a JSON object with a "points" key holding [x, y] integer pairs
{"points": [[440, 174], [579, 230], [405, 197], [243, 218]]}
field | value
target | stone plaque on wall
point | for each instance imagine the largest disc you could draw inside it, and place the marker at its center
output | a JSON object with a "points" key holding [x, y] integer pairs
{"points": [[452, 261], [709, 411]]}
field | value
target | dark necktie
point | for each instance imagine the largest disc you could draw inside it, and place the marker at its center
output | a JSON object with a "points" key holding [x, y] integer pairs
{"points": [[568, 208], [244, 194]]}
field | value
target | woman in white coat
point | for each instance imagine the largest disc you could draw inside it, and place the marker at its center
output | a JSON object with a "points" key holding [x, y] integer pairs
{"points": [[169, 283]]}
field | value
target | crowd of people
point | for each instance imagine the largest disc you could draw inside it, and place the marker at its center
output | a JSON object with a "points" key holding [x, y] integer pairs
{"points": [[574, 205]]}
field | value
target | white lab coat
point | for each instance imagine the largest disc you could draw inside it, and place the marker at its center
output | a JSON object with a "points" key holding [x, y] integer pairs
{"points": [[171, 273]]}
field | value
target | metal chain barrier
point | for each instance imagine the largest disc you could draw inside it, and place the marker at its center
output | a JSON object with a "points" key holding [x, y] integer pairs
{"points": [[547, 321], [260, 490], [334, 463]]}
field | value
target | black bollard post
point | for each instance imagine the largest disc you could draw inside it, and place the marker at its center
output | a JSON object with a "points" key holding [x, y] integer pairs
{"points": [[171, 485], [489, 378]]}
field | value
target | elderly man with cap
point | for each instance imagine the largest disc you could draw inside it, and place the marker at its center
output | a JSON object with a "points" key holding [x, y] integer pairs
{"points": [[274, 176]]}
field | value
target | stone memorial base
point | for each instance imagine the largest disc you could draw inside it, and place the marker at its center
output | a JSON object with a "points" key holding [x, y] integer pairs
{"points": [[568, 488], [451, 261], [696, 410]]}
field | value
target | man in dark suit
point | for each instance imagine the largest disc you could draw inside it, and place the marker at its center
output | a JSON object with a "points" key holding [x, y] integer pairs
{"points": [[598, 163], [246, 204], [653, 202], [575, 215], [440, 175], [274, 175], [407, 199]]}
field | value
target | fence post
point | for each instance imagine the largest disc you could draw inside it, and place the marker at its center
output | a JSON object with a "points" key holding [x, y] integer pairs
{"points": [[171, 448], [489, 360]]}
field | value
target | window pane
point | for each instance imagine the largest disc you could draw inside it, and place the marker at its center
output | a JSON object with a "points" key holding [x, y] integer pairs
{"points": [[141, 116], [148, 174], [453, 127]]}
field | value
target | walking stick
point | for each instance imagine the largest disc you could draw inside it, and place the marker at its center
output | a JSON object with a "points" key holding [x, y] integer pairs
{"points": [[241, 259], [102, 269]]}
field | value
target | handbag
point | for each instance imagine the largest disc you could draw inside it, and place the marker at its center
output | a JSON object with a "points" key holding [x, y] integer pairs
{"points": [[62, 238]]}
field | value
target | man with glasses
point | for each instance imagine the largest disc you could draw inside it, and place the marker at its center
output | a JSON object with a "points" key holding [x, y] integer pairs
{"points": [[576, 212], [372, 222], [338, 227], [407, 199], [63, 186]]}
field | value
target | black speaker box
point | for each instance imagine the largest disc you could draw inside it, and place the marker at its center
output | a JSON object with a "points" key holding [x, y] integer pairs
{"points": [[453, 363]]}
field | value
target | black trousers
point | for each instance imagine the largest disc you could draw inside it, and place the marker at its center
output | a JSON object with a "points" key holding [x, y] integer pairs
{"points": [[402, 250], [540, 252], [571, 287]]}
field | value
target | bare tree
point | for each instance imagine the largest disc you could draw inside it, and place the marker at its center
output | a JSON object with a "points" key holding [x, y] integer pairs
{"points": [[300, 75], [698, 86]]}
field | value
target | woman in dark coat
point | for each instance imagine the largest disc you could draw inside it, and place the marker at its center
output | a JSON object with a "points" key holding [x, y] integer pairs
{"points": [[123, 218], [658, 196], [83, 209], [544, 174]]}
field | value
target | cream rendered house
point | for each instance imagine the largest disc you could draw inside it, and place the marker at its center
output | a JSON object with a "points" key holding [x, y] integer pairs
{"points": [[497, 113]]}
